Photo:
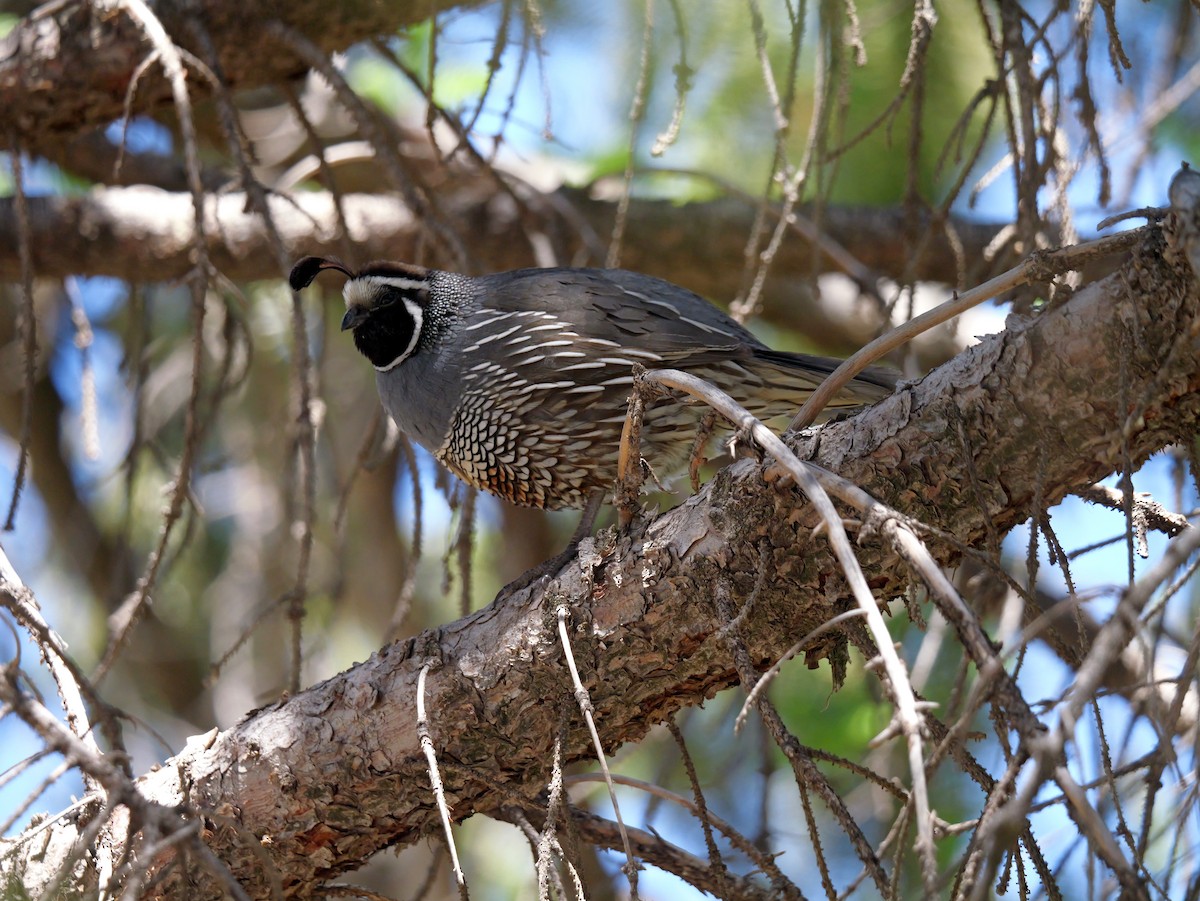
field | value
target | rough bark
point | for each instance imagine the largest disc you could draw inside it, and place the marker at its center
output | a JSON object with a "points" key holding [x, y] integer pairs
{"points": [[68, 67], [143, 233], [317, 783]]}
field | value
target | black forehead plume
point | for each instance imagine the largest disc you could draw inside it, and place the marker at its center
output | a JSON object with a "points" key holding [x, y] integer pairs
{"points": [[309, 268]]}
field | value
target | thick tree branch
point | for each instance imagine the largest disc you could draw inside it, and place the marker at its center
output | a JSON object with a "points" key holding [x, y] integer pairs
{"points": [[68, 66], [143, 232], [321, 781]]}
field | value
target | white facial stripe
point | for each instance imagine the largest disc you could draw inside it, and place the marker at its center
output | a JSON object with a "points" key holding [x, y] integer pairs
{"points": [[397, 281], [418, 317], [360, 292]]}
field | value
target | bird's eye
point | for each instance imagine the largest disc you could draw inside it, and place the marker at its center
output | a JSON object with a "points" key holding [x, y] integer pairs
{"points": [[389, 297]]}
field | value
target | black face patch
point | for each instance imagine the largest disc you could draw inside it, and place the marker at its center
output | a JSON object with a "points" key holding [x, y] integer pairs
{"points": [[388, 330]]}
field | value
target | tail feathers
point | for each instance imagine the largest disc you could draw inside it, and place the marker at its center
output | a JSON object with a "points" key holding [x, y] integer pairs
{"points": [[800, 374]]}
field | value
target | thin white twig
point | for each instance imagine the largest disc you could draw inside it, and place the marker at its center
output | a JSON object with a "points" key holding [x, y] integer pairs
{"points": [[1035, 266], [124, 619], [55, 651], [89, 420], [768, 677], [435, 781], [1047, 751], [637, 113], [908, 716], [585, 707]]}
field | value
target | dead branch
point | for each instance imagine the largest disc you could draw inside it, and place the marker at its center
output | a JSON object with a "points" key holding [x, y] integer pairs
{"points": [[1040, 405], [67, 67], [142, 232]]}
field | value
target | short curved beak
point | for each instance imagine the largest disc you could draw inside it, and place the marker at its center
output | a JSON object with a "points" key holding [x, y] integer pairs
{"points": [[355, 316]]}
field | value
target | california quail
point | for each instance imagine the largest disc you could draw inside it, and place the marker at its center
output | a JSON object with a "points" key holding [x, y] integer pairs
{"points": [[519, 382]]}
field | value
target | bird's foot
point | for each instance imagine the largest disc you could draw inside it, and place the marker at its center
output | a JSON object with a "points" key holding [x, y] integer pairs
{"points": [[559, 560], [542, 570]]}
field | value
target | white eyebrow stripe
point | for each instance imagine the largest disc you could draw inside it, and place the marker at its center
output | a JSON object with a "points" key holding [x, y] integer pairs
{"points": [[404, 284]]}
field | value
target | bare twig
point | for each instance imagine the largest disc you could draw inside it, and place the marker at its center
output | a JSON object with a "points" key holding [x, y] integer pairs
{"points": [[716, 864], [637, 113], [69, 681], [768, 677], [28, 323], [1034, 267], [123, 620], [736, 838], [907, 713], [1149, 512], [435, 782], [1047, 750], [683, 84], [585, 707]]}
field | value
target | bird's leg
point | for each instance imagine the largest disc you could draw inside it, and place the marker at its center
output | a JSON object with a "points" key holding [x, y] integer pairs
{"points": [[590, 511], [629, 453], [697, 458]]}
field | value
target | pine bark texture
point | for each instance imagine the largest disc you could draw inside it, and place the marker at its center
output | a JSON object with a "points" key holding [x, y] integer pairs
{"points": [[312, 786], [315, 784], [68, 67]]}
